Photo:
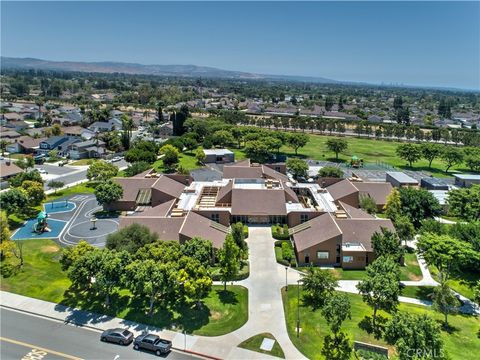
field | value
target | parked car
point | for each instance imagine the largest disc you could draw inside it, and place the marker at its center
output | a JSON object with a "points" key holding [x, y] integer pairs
{"points": [[42, 171], [116, 158], [153, 343], [118, 336]]}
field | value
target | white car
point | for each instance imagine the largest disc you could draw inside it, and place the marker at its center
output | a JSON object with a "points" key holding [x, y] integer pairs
{"points": [[42, 171], [116, 158]]}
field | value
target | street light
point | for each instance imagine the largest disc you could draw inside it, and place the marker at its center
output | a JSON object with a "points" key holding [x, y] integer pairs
{"points": [[286, 278], [298, 308]]}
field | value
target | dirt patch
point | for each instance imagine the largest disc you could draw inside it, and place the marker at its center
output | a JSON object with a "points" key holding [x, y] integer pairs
{"points": [[216, 315], [49, 249], [413, 277]]}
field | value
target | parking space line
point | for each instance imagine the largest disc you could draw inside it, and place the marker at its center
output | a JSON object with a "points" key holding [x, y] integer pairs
{"points": [[21, 343]]}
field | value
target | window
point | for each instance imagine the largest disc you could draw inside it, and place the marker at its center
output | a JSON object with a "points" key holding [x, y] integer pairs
{"points": [[215, 217], [348, 259], [303, 218], [322, 255]]}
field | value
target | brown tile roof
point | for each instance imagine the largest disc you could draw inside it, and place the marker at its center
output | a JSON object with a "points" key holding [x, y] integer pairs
{"points": [[290, 194], [9, 170], [75, 130], [166, 228], [225, 193], [245, 162], [271, 173], [341, 189], [361, 230], [378, 191], [315, 231], [161, 210], [200, 226], [28, 142], [355, 213], [169, 186], [131, 186], [258, 202]]}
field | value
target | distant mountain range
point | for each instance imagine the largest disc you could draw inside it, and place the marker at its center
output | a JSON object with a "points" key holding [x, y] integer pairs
{"points": [[161, 70]]}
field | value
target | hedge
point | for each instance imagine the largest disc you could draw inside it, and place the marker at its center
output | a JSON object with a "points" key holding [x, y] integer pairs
{"points": [[280, 232]]}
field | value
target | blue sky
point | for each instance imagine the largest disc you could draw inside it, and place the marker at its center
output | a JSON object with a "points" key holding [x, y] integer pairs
{"points": [[428, 43]]}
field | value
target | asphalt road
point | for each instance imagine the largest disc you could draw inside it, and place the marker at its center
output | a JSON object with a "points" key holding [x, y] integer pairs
{"points": [[25, 337]]}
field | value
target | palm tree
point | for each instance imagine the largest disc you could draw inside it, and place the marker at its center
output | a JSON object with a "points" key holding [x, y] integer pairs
{"points": [[3, 146]]}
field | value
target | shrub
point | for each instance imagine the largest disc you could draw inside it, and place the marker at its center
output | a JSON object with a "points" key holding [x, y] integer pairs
{"points": [[280, 233], [287, 252], [136, 168]]}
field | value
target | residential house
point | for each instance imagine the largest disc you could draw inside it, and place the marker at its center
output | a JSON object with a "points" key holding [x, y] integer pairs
{"points": [[90, 149], [24, 145], [104, 126], [60, 143]]}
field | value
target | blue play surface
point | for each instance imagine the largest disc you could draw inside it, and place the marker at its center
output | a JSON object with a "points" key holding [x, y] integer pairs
{"points": [[26, 231], [58, 206]]}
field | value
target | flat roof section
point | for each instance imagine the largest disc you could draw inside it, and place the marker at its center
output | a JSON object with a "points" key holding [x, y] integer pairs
{"points": [[402, 177], [467, 176], [218, 152]]}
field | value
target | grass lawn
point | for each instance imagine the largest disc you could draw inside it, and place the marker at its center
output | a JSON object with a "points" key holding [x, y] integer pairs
{"points": [[255, 342], [41, 277], [462, 343], [461, 283], [411, 270], [370, 150], [418, 292], [83, 188], [81, 162], [186, 160]]}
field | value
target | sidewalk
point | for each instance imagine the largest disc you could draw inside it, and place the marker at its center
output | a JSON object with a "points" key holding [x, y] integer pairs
{"points": [[206, 347]]}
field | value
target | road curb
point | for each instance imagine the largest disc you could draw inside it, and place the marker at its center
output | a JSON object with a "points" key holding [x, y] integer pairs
{"points": [[98, 329]]}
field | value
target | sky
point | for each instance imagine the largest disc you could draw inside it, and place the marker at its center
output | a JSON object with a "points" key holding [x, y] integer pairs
{"points": [[425, 43]]}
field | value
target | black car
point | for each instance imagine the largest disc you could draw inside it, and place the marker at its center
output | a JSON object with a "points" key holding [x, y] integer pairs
{"points": [[153, 343], [119, 336]]}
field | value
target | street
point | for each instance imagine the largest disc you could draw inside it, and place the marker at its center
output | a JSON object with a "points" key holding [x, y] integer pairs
{"points": [[25, 336]]}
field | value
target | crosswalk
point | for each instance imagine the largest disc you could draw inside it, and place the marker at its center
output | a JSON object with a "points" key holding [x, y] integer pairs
{"points": [[79, 198]]}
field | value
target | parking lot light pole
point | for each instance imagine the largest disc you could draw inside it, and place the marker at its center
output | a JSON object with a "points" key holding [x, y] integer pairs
{"points": [[93, 220]]}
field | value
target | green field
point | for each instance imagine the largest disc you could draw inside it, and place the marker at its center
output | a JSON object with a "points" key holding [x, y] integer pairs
{"points": [[418, 292], [187, 161], [83, 188], [42, 277], [370, 150], [462, 343], [462, 283], [255, 342]]}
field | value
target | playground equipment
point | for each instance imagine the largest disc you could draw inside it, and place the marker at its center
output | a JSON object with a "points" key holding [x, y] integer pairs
{"points": [[356, 162], [41, 225]]}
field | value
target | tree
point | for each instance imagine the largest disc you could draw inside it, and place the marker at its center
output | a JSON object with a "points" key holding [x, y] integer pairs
{"points": [[257, 151], [409, 152], [329, 102], [229, 262], [418, 204], [238, 235], [451, 157], [131, 238], [170, 157], [200, 155], [55, 184], [7, 246], [18, 179], [397, 102], [297, 141], [137, 153], [3, 146], [368, 204], [380, 288], [151, 279], [476, 292], [101, 171], [190, 143], [330, 171], [337, 347], [337, 146], [430, 152], [108, 192], [72, 253], [387, 244], [34, 191], [447, 254], [223, 138], [404, 227], [13, 200], [318, 285], [26, 163], [420, 333], [199, 249], [136, 168], [336, 310], [472, 158], [444, 301], [194, 280], [465, 203], [297, 167], [393, 206]]}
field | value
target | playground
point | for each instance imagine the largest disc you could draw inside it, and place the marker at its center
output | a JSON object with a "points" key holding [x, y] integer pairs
{"points": [[70, 220]]}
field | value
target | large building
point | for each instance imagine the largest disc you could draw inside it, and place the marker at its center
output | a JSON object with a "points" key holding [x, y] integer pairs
{"points": [[327, 227]]}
